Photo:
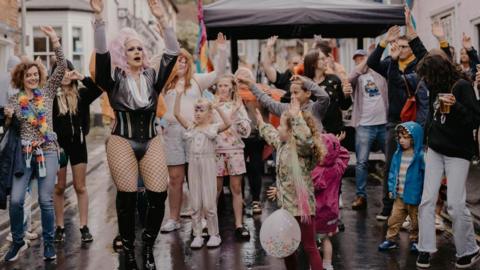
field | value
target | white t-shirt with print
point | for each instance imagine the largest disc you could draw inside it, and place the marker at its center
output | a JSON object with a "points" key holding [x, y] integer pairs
{"points": [[373, 109]]}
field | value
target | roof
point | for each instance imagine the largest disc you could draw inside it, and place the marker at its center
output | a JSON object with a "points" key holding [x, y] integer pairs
{"points": [[259, 19], [56, 5]]}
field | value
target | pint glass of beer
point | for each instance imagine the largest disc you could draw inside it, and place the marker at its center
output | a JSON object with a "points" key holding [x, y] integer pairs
{"points": [[444, 108]]}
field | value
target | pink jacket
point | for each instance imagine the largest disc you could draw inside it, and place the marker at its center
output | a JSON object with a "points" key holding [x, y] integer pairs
{"points": [[327, 178]]}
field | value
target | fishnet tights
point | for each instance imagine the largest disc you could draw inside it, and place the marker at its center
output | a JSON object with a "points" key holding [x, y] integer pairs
{"points": [[125, 168]]}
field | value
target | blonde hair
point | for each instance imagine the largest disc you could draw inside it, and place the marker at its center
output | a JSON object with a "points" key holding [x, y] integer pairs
{"points": [[234, 95], [67, 100], [319, 149], [204, 101]]}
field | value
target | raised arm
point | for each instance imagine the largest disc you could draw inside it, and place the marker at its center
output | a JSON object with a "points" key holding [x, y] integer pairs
{"points": [[55, 80], [103, 65], [177, 112], [472, 54], [266, 60], [240, 120], [300, 131], [374, 60], [226, 120], [265, 100], [323, 100], [207, 80], [92, 91], [172, 48], [357, 72], [394, 75]]}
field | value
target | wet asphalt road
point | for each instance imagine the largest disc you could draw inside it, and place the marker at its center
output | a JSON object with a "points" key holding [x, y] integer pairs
{"points": [[356, 248]]}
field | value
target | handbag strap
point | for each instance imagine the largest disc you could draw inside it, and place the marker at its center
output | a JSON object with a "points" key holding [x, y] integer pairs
{"points": [[408, 87]]}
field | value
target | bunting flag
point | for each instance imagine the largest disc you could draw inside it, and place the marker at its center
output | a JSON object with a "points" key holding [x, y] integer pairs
{"points": [[409, 4], [202, 62]]}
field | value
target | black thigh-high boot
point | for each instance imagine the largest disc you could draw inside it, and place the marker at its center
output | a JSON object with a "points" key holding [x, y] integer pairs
{"points": [[153, 220], [126, 205]]}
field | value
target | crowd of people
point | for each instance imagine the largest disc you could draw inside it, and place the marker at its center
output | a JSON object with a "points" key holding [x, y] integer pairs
{"points": [[420, 107]]}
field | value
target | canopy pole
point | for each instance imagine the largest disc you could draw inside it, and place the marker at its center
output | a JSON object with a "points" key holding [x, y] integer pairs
{"points": [[234, 53], [359, 43]]}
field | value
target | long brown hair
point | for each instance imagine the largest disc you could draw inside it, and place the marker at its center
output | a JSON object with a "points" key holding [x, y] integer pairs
{"points": [[173, 78], [438, 71], [310, 63]]}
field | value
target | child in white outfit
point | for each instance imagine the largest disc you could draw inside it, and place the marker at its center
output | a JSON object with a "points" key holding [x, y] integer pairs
{"points": [[202, 174]]}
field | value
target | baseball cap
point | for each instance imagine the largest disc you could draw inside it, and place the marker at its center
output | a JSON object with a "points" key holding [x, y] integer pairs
{"points": [[360, 53]]}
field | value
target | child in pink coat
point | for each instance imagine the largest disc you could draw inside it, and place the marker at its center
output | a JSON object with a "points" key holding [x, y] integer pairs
{"points": [[327, 177]]}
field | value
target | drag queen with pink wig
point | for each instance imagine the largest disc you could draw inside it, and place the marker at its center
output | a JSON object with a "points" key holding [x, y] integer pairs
{"points": [[134, 147]]}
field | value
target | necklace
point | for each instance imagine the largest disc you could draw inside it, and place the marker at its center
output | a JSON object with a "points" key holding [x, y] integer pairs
{"points": [[35, 113]]}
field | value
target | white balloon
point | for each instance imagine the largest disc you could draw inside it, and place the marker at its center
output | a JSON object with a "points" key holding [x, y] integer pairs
{"points": [[280, 234]]}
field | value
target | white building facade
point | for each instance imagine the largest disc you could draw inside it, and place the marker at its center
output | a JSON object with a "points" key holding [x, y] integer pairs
{"points": [[457, 16], [73, 21]]}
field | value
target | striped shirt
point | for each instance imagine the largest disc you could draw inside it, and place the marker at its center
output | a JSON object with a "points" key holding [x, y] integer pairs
{"points": [[402, 173]]}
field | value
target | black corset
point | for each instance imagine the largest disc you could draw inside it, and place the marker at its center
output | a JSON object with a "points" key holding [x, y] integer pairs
{"points": [[135, 125]]}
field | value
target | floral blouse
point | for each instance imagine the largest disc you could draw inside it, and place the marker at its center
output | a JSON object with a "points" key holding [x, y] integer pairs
{"points": [[231, 139], [302, 137], [28, 132]]}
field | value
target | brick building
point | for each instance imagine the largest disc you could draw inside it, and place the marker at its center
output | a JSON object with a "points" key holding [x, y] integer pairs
{"points": [[9, 31]]}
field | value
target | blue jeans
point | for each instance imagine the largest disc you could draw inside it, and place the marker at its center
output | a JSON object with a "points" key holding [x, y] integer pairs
{"points": [[45, 198], [365, 136]]}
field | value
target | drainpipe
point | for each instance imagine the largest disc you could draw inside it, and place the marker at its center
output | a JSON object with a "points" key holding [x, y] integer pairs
{"points": [[24, 27]]}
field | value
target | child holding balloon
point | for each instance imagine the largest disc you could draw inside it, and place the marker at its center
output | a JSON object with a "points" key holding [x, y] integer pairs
{"points": [[299, 148]]}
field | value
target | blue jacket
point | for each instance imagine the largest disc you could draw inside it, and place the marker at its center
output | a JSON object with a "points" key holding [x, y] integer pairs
{"points": [[12, 162], [413, 189]]}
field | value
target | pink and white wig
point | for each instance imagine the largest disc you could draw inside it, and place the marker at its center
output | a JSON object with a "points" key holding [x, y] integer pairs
{"points": [[118, 49]]}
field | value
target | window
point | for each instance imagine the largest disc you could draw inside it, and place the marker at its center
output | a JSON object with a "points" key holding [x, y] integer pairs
{"points": [[42, 46], [77, 42], [447, 20]]}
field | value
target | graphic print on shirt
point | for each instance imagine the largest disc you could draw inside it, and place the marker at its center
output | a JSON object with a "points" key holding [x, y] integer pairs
{"points": [[371, 88]]}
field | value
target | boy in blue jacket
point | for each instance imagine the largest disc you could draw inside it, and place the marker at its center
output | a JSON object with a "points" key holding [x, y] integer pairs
{"points": [[405, 184]]}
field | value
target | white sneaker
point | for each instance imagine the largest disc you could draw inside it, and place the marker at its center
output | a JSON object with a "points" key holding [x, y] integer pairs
{"points": [[197, 242], [214, 241], [439, 225], [170, 226]]}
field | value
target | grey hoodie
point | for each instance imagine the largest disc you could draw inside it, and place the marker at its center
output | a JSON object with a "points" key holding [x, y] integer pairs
{"points": [[317, 108], [6, 89]]}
